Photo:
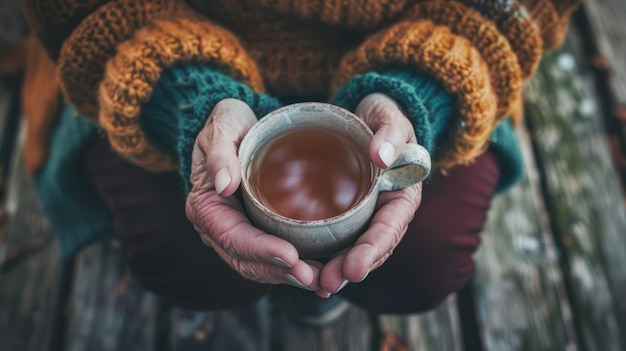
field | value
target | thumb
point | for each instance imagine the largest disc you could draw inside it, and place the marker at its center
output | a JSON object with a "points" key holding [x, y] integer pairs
{"points": [[228, 123], [392, 129]]}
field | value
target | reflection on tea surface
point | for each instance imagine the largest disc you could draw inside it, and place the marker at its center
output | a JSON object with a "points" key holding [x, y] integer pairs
{"points": [[310, 173]]}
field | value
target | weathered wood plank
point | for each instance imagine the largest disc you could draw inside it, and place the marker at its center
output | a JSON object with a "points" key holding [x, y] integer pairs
{"points": [[9, 124], [583, 197], [603, 41], [29, 280], [607, 24], [244, 330], [350, 333], [108, 310], [249, 330], [262, 327], [520, 299], [437, 330]]}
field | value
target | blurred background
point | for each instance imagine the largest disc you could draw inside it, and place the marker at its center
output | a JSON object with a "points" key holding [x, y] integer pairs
{"points": [[550, 275]]}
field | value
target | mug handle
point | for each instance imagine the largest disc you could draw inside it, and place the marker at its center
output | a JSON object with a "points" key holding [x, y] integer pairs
{"points": [[411, 167]]}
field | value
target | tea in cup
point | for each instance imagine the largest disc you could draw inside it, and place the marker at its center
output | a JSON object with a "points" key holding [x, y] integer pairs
{"points": [[307, 176]]}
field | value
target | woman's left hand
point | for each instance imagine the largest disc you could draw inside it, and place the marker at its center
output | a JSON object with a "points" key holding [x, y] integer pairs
{"points": [[395, 210]]}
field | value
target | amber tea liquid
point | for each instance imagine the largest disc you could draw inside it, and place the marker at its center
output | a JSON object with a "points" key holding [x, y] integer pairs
{"points": [[310, 173]]}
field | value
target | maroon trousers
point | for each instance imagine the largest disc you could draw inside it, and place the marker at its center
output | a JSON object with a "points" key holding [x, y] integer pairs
{"points": [[165, 254]]}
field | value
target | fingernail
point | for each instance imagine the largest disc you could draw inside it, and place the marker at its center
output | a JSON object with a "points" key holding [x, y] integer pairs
{"points": [[222, 179], [343, 285], [386, 153], [324, 294], [366, 274], [295, 282], [277, 261]]}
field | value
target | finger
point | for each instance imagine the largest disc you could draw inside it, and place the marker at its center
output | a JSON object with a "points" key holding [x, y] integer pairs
{"points": [[313, 263], [301, 275], [387, 229], [199, 178], [224, 224], [308, 276], [392, 129], [253, 253], [228, 123], [332, 279], [233, 233]]}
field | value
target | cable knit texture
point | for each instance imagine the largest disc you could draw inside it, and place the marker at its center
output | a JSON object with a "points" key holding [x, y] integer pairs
{"points": [[449, 58], [94, 42], [422, 98], [182, 102], [479, 50], [455, 67], [131, 74], [493, 46]]}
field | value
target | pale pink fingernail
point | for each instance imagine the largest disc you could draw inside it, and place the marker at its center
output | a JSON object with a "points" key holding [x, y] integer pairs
{"points": [[222, 180], [365, 276], [324, 295], [386, 153], [343, 285]]}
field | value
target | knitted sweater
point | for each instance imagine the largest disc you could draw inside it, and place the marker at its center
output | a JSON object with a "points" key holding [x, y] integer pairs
{"points": [[456, 67], [177, 110], [111, 54], [185, 96]]}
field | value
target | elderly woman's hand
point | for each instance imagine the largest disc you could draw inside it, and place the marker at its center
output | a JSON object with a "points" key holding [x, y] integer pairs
{"points": [[395, 209], [219, 216]]}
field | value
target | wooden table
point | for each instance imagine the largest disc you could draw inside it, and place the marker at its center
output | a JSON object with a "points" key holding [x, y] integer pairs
{"points": [[551, 271]]}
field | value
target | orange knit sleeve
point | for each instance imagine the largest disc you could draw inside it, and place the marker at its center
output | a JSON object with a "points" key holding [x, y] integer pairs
{"points": [[111, 53], [481, 50], [132, 73]]}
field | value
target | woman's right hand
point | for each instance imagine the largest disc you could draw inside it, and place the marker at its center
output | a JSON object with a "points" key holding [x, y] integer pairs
{"points": [[219, 216]]}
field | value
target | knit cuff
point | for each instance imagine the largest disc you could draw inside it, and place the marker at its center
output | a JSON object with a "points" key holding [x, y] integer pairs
{"points": [[132, 73], [422, 98], [182, 101], [480, 50], [450, 59]]}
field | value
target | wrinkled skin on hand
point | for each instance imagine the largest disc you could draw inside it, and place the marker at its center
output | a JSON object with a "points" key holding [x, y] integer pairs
{"points": [[395, 210], [219, 217]]}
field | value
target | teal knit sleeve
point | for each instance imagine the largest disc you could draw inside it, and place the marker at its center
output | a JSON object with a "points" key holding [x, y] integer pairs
{"points": [[182, 101], [422, 98], [76, 213], [431, 110]]}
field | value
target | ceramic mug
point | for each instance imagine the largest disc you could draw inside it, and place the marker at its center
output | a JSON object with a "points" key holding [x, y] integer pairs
{"points": [[321, 238]]}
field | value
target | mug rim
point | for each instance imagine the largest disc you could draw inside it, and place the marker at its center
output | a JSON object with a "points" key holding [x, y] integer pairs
{"points": [[372, 191]]}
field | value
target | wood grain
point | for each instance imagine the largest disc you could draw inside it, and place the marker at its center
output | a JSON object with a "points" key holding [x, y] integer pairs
{"points": [[437, 330], [350, 332], [108, 310], [241, 330], [29, 281], [520, 299], [607, 23], [583, 196]]}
